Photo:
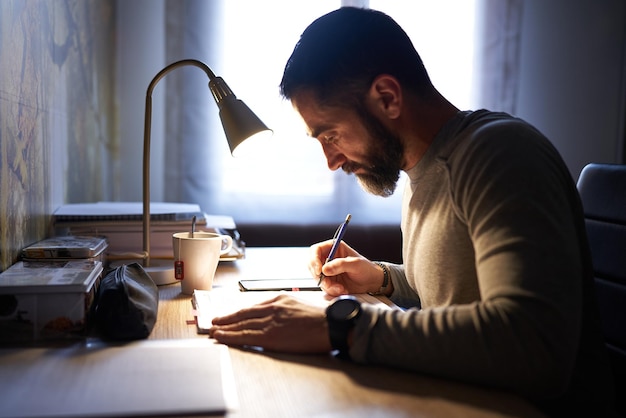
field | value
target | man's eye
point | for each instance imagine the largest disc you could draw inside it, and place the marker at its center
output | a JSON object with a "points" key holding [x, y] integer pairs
{"points": [[329, 139]]}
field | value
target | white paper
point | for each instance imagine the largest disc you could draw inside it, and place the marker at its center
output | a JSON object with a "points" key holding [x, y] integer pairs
{"points": [[146, 378]]}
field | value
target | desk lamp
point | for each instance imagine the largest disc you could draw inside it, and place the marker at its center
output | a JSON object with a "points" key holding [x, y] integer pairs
{"points": [[239, 124]]}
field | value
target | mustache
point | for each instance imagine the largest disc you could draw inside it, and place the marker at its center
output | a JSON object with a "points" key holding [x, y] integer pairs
{"points": [[350, 167]]}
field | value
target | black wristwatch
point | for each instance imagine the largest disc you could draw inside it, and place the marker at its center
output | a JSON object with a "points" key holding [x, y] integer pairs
{"points": [[341, 315]]}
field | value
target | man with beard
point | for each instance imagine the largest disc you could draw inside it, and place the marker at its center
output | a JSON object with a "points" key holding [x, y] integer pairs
{"points": [[496, 279]]}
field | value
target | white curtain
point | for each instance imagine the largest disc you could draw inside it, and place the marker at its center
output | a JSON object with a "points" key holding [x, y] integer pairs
{"points": [[291, 183], [499, 25], [192, 126]]}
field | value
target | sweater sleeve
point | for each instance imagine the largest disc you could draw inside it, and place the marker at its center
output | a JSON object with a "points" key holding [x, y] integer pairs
{"points": [[518, 202], [403, 295]]}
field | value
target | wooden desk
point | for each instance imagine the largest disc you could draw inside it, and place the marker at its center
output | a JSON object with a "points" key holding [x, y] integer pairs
{"points": [[282, 385]]}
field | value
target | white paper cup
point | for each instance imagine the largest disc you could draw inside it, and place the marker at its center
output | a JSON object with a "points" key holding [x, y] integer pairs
{"points": [[195, 259]]}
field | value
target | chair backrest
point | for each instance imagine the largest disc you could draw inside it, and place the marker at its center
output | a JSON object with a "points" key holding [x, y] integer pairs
{"points": [[602, 188]]}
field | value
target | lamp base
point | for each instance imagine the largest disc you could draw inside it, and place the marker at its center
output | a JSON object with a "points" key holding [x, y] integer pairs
{"points": [[160, 271]]}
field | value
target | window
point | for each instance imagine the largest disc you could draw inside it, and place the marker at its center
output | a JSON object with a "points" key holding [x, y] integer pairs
{"points": [[291, 182]]}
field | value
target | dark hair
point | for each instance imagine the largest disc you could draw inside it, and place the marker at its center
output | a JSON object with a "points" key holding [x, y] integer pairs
{"points": [[341, 53]]}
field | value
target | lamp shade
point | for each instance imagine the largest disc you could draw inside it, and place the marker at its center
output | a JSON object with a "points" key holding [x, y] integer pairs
{"points": [[238, 121]]}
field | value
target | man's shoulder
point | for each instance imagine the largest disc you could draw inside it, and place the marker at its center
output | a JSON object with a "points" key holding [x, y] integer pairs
{"points": [[471, 128], [491, 132], [484, 122]]}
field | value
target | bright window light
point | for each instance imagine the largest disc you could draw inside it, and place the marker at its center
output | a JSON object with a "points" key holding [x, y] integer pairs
{"points": [[292, 172], [295, 164]]}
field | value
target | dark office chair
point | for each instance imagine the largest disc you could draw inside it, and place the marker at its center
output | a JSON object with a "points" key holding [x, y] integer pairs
{"points": [[602, 188]]}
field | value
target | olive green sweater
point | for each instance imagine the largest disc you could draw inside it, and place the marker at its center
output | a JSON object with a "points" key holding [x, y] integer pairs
{"points": [[496, 259]]}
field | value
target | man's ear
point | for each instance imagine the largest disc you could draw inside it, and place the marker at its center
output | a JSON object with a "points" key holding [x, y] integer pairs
{"points": [[385, 96]]}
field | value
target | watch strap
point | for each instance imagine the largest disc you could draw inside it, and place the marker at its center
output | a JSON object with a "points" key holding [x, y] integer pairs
{"points": [[339, 327], [339, 339]]}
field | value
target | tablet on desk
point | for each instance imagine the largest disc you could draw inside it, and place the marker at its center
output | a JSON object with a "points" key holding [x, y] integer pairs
{"points": [[279, 284]]}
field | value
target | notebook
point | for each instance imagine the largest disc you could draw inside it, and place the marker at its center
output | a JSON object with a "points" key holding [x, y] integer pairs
{"points": [[146, 378], [208, 304]]}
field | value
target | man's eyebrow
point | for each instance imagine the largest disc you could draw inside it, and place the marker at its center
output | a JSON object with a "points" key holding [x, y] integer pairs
{"points": [[317, 131]]}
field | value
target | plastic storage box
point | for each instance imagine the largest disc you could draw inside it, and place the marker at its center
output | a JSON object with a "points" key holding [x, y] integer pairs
{"points": [[47, 299]]}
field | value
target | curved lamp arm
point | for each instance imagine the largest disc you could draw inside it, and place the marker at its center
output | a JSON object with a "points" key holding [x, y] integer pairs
{"points": [[238, 121]]}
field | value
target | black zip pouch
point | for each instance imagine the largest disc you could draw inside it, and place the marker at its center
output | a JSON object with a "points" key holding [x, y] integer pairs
{"points": [[127, 303]]}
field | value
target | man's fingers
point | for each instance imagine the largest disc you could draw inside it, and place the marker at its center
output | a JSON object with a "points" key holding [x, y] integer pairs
{"points": [[332, 287], [260, 310], [338, 266], [237, 338], [249, 324]]}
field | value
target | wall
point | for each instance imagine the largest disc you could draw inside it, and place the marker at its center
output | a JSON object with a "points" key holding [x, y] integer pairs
{"points": [[59, 140], [573, 77], [57, 112]]}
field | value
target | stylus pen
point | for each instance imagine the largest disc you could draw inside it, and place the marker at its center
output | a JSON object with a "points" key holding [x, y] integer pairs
{"points": [[341, 230]]}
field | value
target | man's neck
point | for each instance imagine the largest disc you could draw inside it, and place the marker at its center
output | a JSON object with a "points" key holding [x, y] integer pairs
{"points": [[423, 121]]}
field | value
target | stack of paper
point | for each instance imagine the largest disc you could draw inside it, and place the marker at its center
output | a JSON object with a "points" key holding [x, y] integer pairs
{"points": [[121, 223]]}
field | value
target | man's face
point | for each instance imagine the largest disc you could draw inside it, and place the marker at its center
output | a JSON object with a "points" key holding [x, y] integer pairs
{"points": [[355, 141]]}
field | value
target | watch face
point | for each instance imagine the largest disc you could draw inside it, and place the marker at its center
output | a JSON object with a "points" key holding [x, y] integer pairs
{"points": [[344, 309]]}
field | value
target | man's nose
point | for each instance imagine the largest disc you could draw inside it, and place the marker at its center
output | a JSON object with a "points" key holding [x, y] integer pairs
{"points": [[334, 158]]}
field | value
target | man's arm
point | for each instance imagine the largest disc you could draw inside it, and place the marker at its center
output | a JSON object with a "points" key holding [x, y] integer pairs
{"points": [[522, 333]]}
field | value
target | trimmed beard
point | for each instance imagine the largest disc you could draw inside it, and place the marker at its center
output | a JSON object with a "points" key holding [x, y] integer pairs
{"points": [[384, 158]]}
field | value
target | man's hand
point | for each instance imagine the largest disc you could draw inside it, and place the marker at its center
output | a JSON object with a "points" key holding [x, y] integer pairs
{"points": [[349, 272], [282, 324]]}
